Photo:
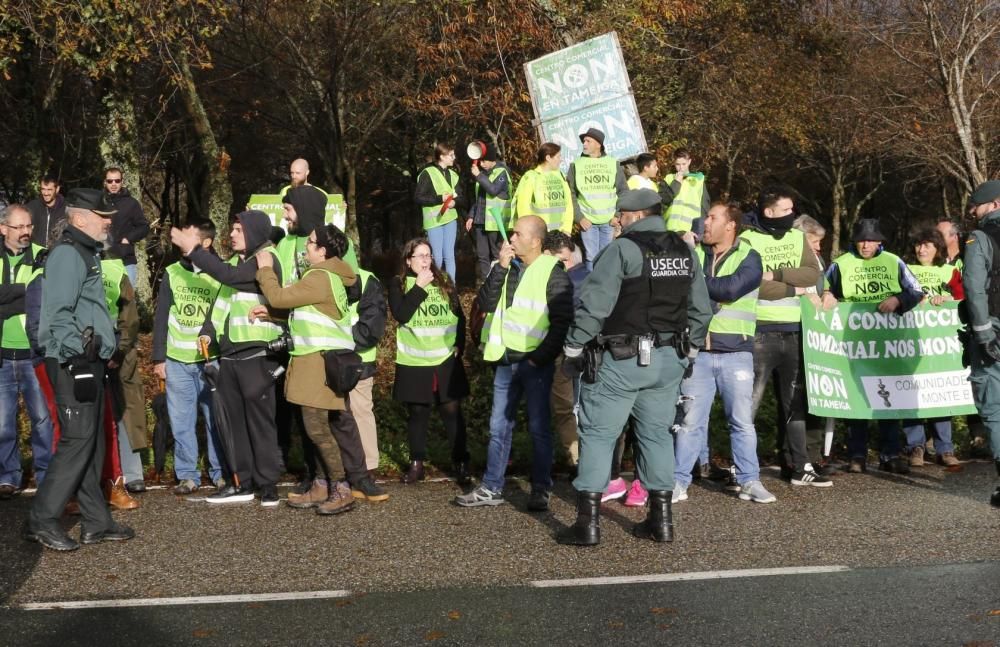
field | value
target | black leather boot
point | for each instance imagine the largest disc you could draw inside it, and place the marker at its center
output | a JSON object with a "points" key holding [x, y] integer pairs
{"points": [[587, 529], [995, 499], [415, 473], [659, 523], [461, 473]]}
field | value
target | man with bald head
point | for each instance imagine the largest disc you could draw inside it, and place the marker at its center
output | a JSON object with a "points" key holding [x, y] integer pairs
{"points": [[298, 171], [530, 299]]}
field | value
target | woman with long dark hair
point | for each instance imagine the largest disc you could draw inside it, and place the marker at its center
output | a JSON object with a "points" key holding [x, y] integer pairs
{"points": [[429, 345]]}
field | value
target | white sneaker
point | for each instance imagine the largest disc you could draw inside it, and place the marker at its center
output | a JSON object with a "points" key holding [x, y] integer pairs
{"points": [[680, 493], [756, 492]]}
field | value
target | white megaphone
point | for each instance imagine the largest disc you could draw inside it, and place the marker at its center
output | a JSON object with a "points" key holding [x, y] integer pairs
{"points": [[475, 150]]}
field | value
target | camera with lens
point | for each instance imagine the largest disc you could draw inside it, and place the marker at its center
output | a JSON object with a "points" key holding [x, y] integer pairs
{"points": [[283, 344]]}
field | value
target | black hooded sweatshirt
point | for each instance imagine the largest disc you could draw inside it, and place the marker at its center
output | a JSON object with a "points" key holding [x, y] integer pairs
{"points": [[242, 276]]}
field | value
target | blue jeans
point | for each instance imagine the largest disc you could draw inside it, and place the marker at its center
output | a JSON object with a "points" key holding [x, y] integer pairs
{"points": [[888, 439], [509, 384], [185, 386], [442, 240], [594, 240], [18, 376], [133, 273], [914, 430], [731, 374], [130, 461]]}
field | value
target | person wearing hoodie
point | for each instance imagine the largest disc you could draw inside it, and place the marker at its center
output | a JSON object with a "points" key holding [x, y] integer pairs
{"points": [[321, 321], [492, 206], [47, 210], [183, 302], [790, 270], [247, 363], [129, 225]]}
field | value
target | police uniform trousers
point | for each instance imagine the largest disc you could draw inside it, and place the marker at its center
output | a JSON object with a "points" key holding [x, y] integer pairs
{"points": [[246, 391], [76, 467], [985, 378], [649, 394]]}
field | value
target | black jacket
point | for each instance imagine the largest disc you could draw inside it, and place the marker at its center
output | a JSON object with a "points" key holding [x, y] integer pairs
{"points": [[558, 293], [370, 326], [45, 219], [128, 223]]}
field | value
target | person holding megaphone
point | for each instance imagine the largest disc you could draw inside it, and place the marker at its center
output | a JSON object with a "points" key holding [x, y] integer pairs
{"points": [[489, 218]]}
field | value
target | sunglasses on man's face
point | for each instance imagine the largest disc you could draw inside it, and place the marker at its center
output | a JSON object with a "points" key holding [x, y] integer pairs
{"points": [[118, 181]]}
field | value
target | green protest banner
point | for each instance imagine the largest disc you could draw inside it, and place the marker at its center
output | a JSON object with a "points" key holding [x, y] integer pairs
{"points": [[863, 364], [270, 203]]}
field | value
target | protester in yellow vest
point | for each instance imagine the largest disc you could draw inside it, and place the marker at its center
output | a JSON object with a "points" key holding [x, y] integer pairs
{"points": [[733, 272], [648, 170], [248, 363], [320, 321], [430, 341], [489, 217], [543, 191], [183, 301], [22, 264], [439, 199], [595, 182], [940, 282], [790, 270], [531, 306], [869, 274], [298, 172], [687, 196]]}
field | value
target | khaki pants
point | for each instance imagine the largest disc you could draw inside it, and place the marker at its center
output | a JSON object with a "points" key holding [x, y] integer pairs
{"points": [[362, 406], [563, 417]]}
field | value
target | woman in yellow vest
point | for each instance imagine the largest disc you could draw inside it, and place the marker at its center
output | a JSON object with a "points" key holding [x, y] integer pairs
{"points": [[544, 192], [429, 345], [941, 282], [436, 195], [320, 321]]}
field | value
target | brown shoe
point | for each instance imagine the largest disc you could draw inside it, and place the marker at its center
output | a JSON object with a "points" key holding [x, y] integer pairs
{"points": [[917, 457], [414, 473], [317, 494], [340, 500], [118, 496], [947, 459]]}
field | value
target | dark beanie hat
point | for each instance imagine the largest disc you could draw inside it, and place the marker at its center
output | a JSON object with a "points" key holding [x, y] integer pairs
{"points": [[490, 155], [867, 229]]}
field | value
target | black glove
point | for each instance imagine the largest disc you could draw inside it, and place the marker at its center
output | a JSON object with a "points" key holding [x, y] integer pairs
{"points": [[84, 379], [572, 367], [991, 351], [211, 375]]}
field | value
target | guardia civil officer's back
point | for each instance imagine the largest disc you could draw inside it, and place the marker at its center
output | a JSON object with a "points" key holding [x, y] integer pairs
{"points": [[643, 313]]}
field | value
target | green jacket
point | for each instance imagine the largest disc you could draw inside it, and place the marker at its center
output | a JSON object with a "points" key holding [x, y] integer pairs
{"points": [[73, 298], [620, 260], [978, 260]]}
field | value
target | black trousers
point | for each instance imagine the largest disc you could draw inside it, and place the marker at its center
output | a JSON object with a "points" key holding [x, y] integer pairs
{"points": [[76, 467], [246, 393], [454, 425], [487, 248], [777, 356]]}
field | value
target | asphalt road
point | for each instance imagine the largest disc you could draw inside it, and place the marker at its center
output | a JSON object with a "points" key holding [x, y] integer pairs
{"points": [[923, 554]]}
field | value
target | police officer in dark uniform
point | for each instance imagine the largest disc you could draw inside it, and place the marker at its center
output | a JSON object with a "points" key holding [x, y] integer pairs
{"points": [[78, 336], [981, 280], [644, 312]]}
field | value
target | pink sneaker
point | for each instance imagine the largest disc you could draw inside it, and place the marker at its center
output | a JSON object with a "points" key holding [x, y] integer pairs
{"points": [[637, 495], [616, 489]]}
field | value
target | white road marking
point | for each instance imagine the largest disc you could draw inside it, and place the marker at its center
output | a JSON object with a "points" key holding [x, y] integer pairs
{"points": [[167, 602], [685, 577]]}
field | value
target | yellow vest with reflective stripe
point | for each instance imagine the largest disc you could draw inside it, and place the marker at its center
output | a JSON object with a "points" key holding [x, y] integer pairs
{"points": [[432, 213], [874, 279], [686, 207], [313, 331], [523, 325], [112, 271], [640, 182], [778, 254], [737, 317], [193, 294], [596, 190], [428, 338], [549, 197], [15, 337], [233, 307], [292, 259], [367, 354], [933, 278], [497, 208]]}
